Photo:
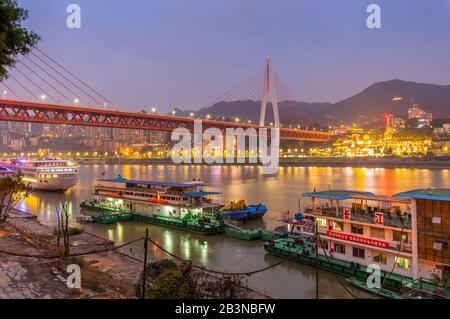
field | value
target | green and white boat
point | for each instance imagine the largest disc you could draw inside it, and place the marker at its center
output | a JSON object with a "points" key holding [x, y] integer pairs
{"points": [[185, 206]]}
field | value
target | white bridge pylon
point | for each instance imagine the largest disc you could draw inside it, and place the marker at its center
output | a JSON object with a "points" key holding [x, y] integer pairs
{"points": [[269, 90]]}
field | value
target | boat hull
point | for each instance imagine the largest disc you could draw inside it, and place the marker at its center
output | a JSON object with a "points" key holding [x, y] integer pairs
{"points": [[179, 224], [244, 235], [54, 184], [328, 264], [248, 213]]}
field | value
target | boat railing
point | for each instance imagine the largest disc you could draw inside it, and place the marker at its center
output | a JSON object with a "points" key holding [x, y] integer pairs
{"points": [[396, 220], [422, 288], [142, 190]]}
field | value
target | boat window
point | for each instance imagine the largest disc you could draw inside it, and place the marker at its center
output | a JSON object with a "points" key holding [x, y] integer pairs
{"points": [[338, 226], [403, 262], [322, 222], [358, 252], [357, 229], [339, 248], [377, 232], [379, 257], [399, 236]]}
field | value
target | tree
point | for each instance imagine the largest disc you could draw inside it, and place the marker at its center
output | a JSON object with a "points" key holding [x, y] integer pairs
{"points": [[168, 280], [13, 190], [62, 228], [14, 39]]}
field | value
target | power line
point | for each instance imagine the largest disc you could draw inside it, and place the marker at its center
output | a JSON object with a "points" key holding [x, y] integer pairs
{"points": [[393, 267], [70, 255], [335, 274], [248, 273]]}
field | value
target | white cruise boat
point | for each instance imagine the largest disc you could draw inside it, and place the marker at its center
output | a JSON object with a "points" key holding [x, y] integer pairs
{"points": [[5, 172], [51, 175]]}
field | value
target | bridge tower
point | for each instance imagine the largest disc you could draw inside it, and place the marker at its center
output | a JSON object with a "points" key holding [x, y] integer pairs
{"points": [[269, 91]]}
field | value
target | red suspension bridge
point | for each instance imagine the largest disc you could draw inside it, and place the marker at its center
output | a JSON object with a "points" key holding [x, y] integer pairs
{"points": [[45, 74]]}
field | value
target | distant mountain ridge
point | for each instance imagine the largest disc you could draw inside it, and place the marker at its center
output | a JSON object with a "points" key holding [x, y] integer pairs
{"points": [[379, 99], [393, 97]]}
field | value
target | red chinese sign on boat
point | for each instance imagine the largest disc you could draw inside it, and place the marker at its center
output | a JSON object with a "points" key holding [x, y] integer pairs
{"points": [[357, 239], [379, 218], [347, 213]]}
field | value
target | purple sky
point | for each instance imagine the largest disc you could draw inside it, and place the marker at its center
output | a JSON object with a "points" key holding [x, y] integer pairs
{"points": [[185, 53]]}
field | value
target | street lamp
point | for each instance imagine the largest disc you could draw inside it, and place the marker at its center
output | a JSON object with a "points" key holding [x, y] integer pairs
{"points": [[192, 114], [153, 110], [237, 120], [208, 116], [43, 97], [76, 101], [4, 94], [174, 112]]}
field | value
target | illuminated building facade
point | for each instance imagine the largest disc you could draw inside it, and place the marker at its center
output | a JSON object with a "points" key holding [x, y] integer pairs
{"points": [[423, 118], [408, 232]]}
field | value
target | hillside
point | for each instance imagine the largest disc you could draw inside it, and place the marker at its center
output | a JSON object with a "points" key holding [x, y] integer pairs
{"points": [[377, 100], [365, 107]]}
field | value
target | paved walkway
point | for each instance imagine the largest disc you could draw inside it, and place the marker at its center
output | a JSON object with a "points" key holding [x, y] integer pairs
{"points": [[25, 278]]}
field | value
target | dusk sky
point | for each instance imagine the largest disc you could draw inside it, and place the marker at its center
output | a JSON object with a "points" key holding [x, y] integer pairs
{"points": [[185, 53]]}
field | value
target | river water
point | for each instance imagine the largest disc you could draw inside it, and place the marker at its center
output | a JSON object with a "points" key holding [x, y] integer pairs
{"points": [[280, 193]]}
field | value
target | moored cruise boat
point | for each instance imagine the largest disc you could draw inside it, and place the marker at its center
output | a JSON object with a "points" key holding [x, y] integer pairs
{"points": [[5, 172], [184, 205], [405, 235], [51, 175]]}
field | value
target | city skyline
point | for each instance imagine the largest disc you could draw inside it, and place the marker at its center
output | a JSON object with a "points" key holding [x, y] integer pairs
{"points": [[194, 50]]}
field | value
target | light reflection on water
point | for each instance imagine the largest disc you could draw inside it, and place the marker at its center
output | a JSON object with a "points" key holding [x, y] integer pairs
{"points": [[280, 192]]}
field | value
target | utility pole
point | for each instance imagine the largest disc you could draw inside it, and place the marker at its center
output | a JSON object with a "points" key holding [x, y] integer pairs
{"points": [[317, 258], [144, 273]]}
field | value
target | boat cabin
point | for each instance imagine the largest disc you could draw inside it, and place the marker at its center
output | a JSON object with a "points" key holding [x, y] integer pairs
{"points": [[156, 198]]}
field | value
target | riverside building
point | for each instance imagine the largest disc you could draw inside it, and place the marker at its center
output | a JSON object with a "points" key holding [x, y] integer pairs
{"points": [[406, 234]]}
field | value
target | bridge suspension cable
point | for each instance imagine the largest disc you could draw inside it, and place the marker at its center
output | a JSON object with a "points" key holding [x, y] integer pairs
{"points": [[66, 78], [11, 90], [35, 84], [23, 87], [76, 77], [45, 81], [52, 76], [40, 72], [266, 87]]}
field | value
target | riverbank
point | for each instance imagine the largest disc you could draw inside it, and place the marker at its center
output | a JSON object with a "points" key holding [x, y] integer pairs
{"points": [[106, 275], [394, 162], [110, 274]]}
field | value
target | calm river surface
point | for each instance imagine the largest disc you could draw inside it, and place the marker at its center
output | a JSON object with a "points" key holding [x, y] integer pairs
{"points": [[280, 192]]}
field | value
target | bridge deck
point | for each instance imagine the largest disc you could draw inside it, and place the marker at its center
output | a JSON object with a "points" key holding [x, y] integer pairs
{"points": [[70, 115]]}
